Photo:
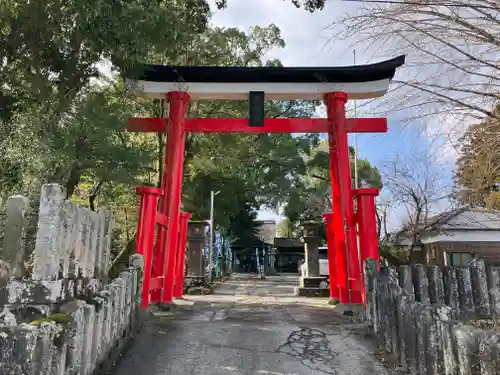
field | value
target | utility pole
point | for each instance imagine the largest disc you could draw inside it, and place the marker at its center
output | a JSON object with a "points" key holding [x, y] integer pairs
{"points": [[211, 239]]}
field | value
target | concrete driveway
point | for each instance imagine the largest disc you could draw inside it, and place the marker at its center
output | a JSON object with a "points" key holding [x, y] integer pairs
{"points": [[251, 326]]}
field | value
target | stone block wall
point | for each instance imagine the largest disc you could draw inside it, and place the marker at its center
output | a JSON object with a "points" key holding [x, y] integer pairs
{"points": [[59, 313], [435, 320]]}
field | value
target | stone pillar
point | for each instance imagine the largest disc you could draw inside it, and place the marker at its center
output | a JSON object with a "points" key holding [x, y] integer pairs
{"points": [[13, 253], [195, 264], [310, 284], [465, 292], [311, 240], [493, 274], [47, 254], [480, 288]]}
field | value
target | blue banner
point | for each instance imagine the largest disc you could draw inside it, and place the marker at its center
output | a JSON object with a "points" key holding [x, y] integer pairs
{"points": [[218, 248], [206, 245]]}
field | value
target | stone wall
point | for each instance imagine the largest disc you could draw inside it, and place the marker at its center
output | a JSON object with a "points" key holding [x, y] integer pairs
{"points": [[61, 315], [435, 320]]}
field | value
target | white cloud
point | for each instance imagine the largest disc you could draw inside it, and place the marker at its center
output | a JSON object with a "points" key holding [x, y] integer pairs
{"points": [[307, 41], [270, 215]]}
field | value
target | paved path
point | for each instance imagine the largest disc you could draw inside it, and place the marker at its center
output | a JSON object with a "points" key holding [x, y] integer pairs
{"points": [[251, 326]]}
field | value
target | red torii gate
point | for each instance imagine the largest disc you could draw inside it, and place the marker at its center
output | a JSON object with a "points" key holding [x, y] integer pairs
{"points": [[163, 277]]}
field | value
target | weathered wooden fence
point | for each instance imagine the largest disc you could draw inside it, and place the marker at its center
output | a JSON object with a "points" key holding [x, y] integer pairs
{"points": [[427, 317], [59, 312]]}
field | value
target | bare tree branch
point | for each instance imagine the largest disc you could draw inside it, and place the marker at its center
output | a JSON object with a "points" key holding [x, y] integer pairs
{"points": [[416, 184], [453, 59]]}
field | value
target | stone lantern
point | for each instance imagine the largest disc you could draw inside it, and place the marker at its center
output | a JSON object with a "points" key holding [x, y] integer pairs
{"points": [[196, 241], [309, 283], [310, 230]]}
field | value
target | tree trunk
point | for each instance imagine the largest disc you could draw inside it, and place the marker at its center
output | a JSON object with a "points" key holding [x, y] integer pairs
{"points": [[73, 180], [94, 192]]}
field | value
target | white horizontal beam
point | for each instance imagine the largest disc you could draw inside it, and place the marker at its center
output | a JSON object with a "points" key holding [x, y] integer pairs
{"points": [[273, 91]]}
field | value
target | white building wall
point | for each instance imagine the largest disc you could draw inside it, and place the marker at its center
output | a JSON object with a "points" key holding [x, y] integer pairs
{"points": [[461, 236], [464, 236]]}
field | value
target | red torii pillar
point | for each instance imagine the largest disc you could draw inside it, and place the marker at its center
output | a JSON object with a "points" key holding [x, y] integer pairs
{"points": [[367, 223], [175, 150], [342, 197], [167, 236], [145, 235]]}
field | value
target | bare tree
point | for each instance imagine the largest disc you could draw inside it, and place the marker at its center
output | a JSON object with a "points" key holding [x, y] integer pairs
{"points": [[418, 187], [382, 211], [453, 64]]}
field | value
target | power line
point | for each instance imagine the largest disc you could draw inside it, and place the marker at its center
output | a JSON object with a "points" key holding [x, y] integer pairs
{"points": [[425, 3]]}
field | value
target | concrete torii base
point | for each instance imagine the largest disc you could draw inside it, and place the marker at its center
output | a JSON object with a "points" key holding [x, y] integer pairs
{"points": [[313, 286]]}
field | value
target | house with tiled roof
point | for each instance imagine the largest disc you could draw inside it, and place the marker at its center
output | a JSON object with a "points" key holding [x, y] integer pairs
{"points": [[454, 237]]}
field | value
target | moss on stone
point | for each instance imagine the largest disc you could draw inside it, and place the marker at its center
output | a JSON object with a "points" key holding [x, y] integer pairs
{"points": [[37, 322], [60, 318]]}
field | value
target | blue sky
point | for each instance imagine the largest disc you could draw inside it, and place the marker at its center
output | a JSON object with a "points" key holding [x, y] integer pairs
{"points": [[309, 43]]}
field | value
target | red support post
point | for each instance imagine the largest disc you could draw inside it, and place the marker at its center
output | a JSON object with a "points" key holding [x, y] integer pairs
{"points": [[332, 262], [146, 233], [139, 247], [367, 223], [176, 138], [160, 254], [335, 103], [159, 258], [176, 264], [181, 254], [337, 222]]}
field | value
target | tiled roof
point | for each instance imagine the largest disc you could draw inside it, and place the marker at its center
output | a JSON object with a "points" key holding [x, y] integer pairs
{"points": [[459, 219], [473, 219], [249, 242], [288, 242]]}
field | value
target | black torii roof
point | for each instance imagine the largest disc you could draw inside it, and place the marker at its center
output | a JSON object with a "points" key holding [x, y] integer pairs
{"points": [[230, 74]]}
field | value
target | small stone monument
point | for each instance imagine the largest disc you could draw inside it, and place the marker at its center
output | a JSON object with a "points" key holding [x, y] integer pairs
{"points": [[195, 262], [311, 284]]}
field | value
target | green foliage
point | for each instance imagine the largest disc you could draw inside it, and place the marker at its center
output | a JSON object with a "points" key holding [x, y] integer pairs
{"points": [[286, 228], [95, 145], [50, 55], [52, 49], [243, 227], [310, 196], [57, 122]]}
